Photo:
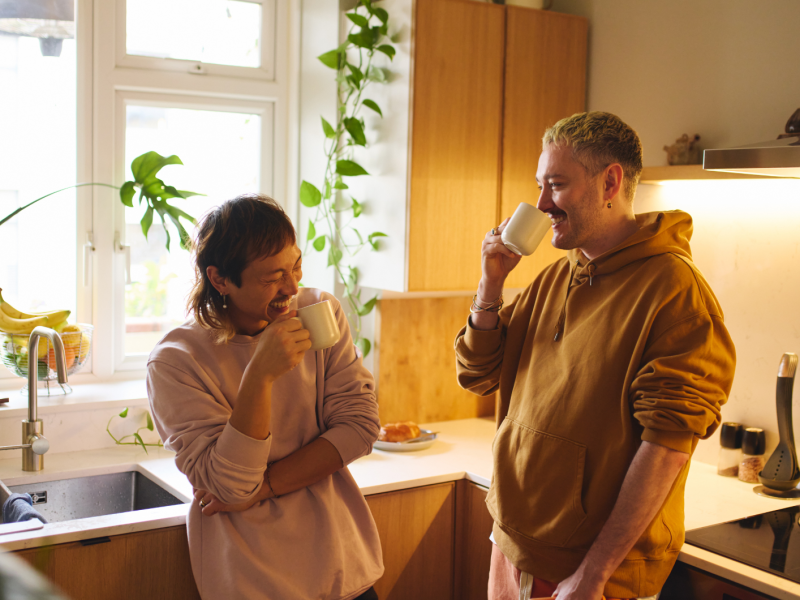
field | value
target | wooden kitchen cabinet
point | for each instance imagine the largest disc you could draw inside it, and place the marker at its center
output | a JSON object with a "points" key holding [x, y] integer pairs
{"points": [[149, 564], [473, 548], [472, 88], [416, 528]]}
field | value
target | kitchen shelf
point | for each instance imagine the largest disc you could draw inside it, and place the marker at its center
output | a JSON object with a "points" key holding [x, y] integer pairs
{"points": [[689, 172]]}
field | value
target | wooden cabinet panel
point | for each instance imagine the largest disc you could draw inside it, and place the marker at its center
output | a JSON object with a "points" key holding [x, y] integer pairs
{"points": [[473, 548], [417, 374], [416, 528], [150, 564], [455, 140], [545, 80]]}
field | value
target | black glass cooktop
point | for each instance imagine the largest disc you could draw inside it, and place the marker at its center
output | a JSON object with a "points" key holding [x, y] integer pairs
{"points": [[770, 541]]}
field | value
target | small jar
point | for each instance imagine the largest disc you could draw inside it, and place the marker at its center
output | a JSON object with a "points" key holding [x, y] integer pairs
{"points": [[730, 452], [753, 459]]}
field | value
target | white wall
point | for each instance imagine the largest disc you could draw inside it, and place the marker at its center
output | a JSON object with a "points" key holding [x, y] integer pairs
{"points": [[725, 69]]}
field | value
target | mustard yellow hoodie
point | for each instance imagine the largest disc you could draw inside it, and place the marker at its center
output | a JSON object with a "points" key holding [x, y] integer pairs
{"points": [[592, 358]]}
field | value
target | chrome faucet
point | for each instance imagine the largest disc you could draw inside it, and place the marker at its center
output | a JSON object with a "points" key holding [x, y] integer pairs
{"points": [[34, 444]]}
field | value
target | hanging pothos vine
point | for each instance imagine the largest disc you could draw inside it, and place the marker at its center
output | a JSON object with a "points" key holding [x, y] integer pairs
{"points": [[333, 225]]}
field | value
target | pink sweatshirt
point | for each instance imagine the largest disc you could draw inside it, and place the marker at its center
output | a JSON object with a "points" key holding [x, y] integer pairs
{"points": [[319, 542]]}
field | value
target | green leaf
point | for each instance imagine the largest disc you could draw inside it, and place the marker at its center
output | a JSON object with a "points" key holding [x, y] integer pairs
{"points": [[312, 231], [354, 83], [358, 208], [146, 166], [149, 421], [372, 241], [319, 243], [126, 193], [381, 14], [376, 74], [371, 104], [310, 196], [349, 168], [356, 72], [356, 130], [359, 20], [140, 441], [327, 129], [340, 185], [365, 346], [334, 256], [368, 306], [185, 240], [124, 413], [327, 193], [147, 220], [331, 59], [387, 50]]}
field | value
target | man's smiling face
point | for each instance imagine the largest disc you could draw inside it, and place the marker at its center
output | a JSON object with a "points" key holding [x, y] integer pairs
{"points": [[570, 197]]}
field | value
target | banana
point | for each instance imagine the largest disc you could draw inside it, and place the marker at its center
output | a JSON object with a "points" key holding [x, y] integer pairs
{"points": [[11, 325], [55, 316]]}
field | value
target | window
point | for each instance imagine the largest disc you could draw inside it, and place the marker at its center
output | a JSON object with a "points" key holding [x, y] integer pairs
{"points": [[206, 80], [38, 156]]}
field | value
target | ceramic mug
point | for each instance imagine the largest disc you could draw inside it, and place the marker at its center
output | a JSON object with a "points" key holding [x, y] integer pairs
{"points": [[321, 323], [525, 230]]}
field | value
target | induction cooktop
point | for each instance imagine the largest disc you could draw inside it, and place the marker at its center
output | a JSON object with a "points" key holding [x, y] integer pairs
{"points": [[770, 541]]}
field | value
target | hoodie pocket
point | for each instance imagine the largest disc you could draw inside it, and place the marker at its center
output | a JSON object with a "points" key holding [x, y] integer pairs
{"points": [[537, 483]]}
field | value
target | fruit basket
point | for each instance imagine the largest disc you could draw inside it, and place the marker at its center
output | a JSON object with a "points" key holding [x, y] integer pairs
{"points": [[77, 341]]}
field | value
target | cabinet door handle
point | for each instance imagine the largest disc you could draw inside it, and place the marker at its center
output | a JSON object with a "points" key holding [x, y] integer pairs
{"points": [[97, 540]]}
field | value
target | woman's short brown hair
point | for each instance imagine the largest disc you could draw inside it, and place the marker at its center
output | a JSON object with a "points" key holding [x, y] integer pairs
{"points": [[230, 237]]}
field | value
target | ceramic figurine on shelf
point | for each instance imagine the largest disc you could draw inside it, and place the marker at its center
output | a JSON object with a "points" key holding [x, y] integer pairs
{"points": [[684, 151]]}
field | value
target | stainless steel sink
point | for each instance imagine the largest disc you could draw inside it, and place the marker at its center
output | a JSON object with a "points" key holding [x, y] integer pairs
{"points": [[82, 497]]}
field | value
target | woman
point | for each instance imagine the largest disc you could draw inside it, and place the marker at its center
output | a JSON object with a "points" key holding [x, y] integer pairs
{"points": [[263, 428]]}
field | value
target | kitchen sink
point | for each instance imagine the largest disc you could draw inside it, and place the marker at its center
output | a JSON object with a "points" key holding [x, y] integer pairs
{"points": [[94, 496]]}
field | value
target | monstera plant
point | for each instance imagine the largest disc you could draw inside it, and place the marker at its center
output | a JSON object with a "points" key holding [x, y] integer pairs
{"points": [[152, 190]]}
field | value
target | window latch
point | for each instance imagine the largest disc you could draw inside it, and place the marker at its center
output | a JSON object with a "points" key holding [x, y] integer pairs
{"points": [[126, 250]]}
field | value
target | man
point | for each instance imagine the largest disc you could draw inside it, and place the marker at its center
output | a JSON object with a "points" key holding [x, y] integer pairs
{"points": [[611, 366]]}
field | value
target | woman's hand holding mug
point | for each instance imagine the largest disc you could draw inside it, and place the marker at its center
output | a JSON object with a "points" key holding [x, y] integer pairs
{"points": [[281, 346]]}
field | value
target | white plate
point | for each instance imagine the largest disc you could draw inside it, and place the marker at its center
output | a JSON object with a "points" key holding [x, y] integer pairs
{"points": [[407, 447]]}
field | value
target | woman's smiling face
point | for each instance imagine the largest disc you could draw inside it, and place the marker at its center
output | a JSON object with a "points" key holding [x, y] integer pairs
{"points": [[268, 286]]}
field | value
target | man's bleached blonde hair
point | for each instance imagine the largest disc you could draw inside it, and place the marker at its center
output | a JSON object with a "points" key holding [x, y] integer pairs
{"points": [[599, 139]]}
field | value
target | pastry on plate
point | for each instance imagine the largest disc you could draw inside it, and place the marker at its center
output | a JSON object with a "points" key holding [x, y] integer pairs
{"points": [[399, 432]]}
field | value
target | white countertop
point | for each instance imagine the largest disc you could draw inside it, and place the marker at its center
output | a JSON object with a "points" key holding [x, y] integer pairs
{"points": [[463, 450]]}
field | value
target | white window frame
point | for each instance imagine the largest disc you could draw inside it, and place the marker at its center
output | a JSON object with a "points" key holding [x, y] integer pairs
{"points": [[268, 51], [114, 80]]}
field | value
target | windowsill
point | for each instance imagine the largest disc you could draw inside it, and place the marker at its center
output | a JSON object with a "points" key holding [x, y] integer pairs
{"points": [[88, 391]]}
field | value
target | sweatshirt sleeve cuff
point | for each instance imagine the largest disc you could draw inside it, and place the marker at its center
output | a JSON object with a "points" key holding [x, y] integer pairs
{"points": [[348, 444], [481, 338], [682, 441], [240, 449]]}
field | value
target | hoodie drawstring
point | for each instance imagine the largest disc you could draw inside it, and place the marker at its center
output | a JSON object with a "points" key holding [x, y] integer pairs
{"points": [[592, 269], [563, 316]]}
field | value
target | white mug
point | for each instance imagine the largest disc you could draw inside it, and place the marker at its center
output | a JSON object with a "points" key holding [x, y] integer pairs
{"points": [[525, 230], [321, 323]]}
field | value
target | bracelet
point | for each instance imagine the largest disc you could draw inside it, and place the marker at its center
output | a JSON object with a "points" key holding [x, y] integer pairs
{"points": [[493, 307], [269, 484]]}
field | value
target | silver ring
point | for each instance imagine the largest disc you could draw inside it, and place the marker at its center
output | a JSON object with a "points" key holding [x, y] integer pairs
{"points": [[202, 504]]}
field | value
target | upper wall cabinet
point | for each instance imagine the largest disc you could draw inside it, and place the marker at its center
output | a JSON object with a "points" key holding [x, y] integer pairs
{"points": [[471, 90]]}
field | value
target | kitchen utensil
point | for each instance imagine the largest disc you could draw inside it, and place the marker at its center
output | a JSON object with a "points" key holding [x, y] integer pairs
{"points": [[781, 471], [430, 438], [525, 230], [320, 321]]}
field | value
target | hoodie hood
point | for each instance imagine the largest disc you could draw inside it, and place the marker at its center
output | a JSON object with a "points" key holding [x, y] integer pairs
{"points": [[665, 232]]}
